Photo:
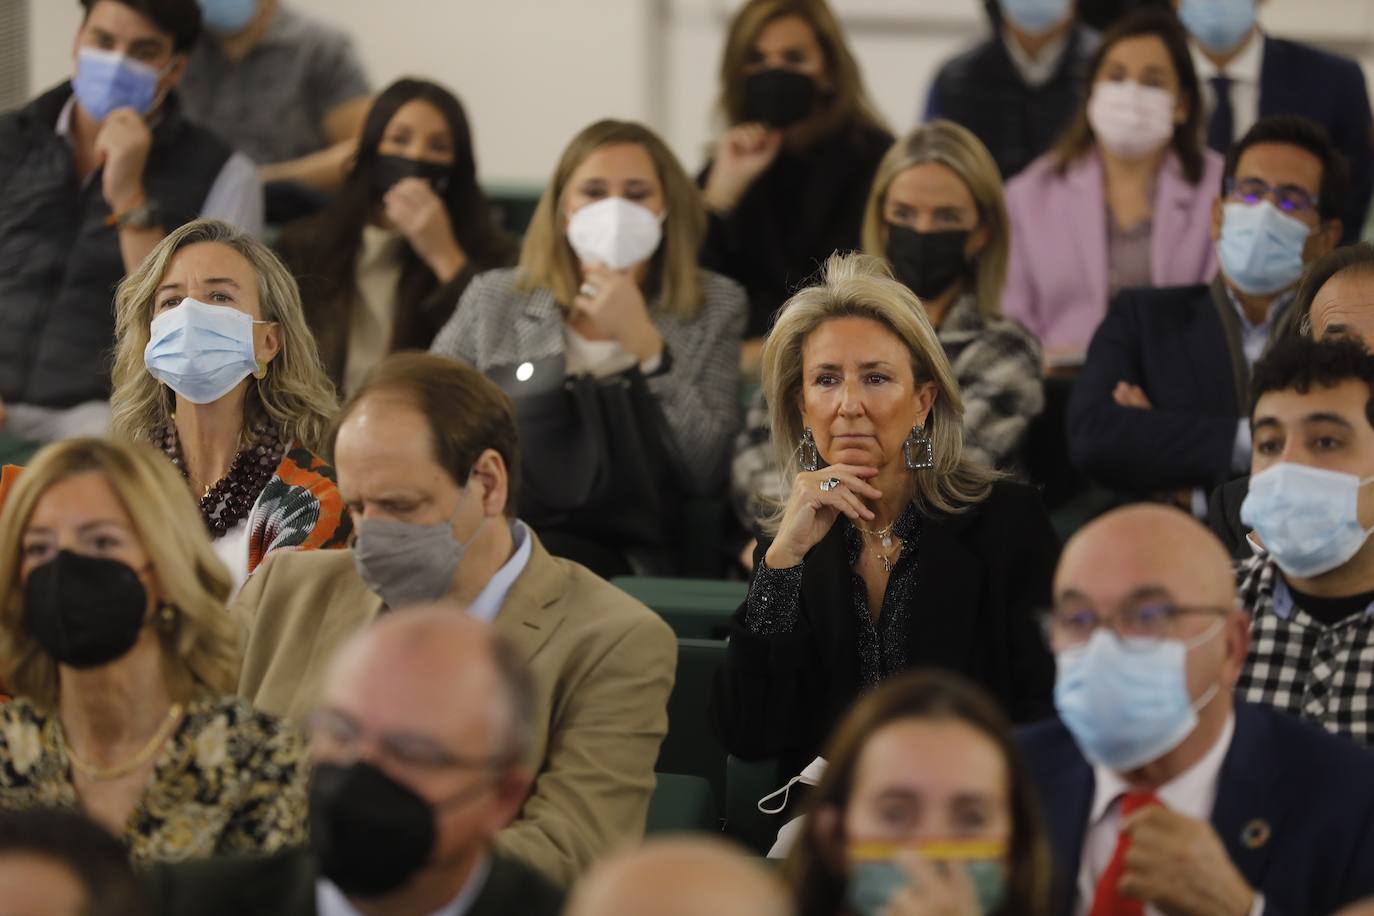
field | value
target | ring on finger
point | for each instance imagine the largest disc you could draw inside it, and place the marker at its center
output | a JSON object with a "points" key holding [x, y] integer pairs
{"points": [[828, 485], [588, 289]]}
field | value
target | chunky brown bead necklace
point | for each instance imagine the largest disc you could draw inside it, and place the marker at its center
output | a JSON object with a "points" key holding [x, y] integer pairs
{"points": [[231, 499]]}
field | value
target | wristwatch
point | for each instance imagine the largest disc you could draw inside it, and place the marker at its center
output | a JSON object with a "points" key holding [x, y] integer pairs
{"points": [[144, 216]]}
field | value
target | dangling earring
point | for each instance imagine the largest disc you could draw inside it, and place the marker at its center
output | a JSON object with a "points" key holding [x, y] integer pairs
{"points": [[810, 457], [167, 618], [260, 372], [918, 450]]}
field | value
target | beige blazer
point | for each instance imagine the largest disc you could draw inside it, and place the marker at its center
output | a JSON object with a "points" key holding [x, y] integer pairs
{"points": [[602, 662]]}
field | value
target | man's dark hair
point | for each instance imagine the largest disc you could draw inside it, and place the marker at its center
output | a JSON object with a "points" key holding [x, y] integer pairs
{"points": [[95, 858], [1306, 134], [179, 18], [1355, 259], [1301, 364]]}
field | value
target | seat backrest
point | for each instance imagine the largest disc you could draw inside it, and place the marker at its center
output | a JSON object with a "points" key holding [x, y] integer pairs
{"points": [[691, 747], [681, 803]]}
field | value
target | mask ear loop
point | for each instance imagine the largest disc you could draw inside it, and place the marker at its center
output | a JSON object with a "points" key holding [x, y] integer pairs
{"points": [[1202, 639]]}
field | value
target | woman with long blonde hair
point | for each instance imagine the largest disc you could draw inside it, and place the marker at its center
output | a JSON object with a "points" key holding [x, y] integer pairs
{"points": [[115, 640], [788, 177], [216, 366]]}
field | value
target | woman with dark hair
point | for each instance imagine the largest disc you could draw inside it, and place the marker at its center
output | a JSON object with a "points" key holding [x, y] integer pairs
{"points": [[382, 268], [925, 807], [1125, 198]]}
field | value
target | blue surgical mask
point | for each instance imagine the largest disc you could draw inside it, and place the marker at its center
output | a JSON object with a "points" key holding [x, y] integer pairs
{"points": [[201, 351], [1308, 518], [1035, 16], [1261, 247], [1219, 25], [228, 17], [1125, 699], [107, 80], [872, 882]]}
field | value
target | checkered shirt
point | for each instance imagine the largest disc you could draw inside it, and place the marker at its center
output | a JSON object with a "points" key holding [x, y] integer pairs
{"points": [[1300, 665]]}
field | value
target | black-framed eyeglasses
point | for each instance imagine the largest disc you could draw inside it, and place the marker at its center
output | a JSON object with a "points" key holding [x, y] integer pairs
{"points": [[342, 736], [1152, 619], [1287, 197]]}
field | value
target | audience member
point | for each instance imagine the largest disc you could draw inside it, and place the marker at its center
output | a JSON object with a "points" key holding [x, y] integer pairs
{"points": [[92, 174], [115, 641], [608, 291], [1162, 790], [936, 215], [1159, 409], [925, 807], [215, 366], [428, 465], [1247, 74], [291, 86], [788, 179], [1310, 591], [1123, 200], [382, 267], [1334, 300], [1018, 89], [419, 743], [893, 549], [682, 877], [58, 863]]}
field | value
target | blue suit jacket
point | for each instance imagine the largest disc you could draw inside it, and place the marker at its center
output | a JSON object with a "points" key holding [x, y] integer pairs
{"points": [[1298, 79], [1315, 791]]}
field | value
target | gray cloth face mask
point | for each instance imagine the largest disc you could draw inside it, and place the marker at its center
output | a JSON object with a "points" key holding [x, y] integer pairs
{"points": [[407, 563]]}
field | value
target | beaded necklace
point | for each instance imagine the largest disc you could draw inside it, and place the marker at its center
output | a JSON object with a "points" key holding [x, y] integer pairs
{"points": [[231, 499]]}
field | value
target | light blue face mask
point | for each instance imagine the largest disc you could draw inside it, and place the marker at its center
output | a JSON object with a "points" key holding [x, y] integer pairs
{"points": [[228, 17], [1261, 247], [1035, 16], [201, 351], [107, 80], [872, 884], [1219, 25], [1125, 700], [1308, 518]]}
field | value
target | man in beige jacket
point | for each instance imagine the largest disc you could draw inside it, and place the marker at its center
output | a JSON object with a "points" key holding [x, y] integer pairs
{"points": [[427, 461]]}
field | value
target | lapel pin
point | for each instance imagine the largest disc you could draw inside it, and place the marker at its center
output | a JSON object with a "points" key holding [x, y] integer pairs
{"points": [[1255, 834]]}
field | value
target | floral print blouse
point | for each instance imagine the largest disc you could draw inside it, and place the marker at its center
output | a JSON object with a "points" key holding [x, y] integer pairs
{"points": [[229, 780]]}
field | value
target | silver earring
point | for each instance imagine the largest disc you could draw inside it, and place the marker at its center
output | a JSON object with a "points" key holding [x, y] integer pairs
{"points": [[810, 457], [918, 450]]}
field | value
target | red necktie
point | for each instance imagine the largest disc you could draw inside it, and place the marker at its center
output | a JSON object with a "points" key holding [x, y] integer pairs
{"points": [[1107, 901]]}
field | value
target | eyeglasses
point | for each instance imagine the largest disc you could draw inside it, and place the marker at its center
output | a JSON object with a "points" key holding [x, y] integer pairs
{"points": [[1149, 620], [1288, 198], [342, 737]]}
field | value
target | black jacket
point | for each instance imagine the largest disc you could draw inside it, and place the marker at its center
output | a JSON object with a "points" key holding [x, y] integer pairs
{"points": [[982, 90], [981, 575], [803, 209], [1171, 342], [284, 885], [60, 263]]}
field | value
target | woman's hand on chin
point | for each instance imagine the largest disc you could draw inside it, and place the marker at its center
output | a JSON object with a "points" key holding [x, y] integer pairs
{"points": [[614, 305], [811, 510]]}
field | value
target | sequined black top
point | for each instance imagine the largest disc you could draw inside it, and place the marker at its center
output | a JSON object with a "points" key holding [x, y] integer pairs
{"points": [[775, 602]]}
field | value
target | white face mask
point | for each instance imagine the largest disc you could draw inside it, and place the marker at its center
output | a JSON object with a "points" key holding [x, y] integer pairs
{"points": [[1132, 121], [615, 233]]}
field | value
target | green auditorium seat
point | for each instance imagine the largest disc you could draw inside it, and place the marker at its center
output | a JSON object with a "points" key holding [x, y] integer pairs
{"points": [[690, 747], [694, 608], [745, 783], [681, 803]]}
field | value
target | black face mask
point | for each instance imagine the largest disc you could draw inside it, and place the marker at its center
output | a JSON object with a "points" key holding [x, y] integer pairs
{"points": [[928, 263], [84, 611], [779, 97], [387, 170]]}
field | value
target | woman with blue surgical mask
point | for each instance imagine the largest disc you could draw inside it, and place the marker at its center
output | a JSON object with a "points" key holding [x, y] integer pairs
{"points": [[215, 365], [608, 287], [925, 809]]}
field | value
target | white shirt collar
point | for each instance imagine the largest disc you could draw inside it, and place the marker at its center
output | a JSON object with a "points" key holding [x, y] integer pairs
{"points": [[1038, 70], [488, 602], [1244, 69], [1191, 793], [64, 118], [1276, 307], [330, 901]]}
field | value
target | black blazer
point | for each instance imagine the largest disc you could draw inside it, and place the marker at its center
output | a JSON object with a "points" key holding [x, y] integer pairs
{"points": [[1299, 79], [1172, 344], [284, 885], [981, 575], [1303, 798]]}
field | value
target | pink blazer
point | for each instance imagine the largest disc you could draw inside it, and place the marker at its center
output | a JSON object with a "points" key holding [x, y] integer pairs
{"points": [[1057, 276]]}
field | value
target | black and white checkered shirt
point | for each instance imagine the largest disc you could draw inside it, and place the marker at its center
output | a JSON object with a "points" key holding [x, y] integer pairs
{"points": [[1300, 665]]}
